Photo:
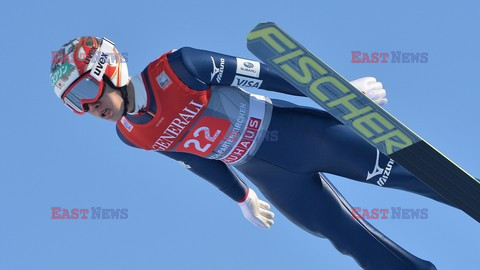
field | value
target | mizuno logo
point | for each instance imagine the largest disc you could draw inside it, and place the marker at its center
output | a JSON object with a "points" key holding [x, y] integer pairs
{"points": [[384, 173], [216, 70], [376, 170]]}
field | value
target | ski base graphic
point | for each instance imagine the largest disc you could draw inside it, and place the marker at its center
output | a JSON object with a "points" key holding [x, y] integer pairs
{"points": [[326, 87]]}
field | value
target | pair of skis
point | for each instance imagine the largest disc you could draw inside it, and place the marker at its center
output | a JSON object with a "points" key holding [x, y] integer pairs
{"points": [[330, 90]]}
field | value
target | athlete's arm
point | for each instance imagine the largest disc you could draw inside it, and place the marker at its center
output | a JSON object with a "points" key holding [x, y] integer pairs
{"points": [[214, 171], [200, 69]]}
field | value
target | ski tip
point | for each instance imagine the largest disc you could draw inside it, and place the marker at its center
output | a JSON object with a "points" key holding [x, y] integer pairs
{"points": [[264, 25], [253, 34]]}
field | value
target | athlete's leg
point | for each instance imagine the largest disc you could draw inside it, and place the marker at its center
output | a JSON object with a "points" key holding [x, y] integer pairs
{"points": [[355, 158], [326, 145], [316, 206]]}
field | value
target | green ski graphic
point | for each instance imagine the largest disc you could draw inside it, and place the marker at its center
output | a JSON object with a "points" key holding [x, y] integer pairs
{"points": [[330, 90]]}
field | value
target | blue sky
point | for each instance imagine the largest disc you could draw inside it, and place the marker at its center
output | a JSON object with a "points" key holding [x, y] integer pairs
{"points": [[53, 158]]}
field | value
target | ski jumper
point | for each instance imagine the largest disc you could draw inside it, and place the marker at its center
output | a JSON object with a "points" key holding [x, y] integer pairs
{"points": [[190, 107]]}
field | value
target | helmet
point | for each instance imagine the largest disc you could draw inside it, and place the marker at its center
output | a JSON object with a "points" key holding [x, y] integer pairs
{"points": [[80, 67]]}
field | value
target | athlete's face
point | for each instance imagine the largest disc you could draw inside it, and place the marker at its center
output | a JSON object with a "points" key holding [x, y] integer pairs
{"points": [[109, 106]]}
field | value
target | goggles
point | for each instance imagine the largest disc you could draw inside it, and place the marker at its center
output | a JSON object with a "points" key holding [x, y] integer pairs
{"points": [[88, 88]]}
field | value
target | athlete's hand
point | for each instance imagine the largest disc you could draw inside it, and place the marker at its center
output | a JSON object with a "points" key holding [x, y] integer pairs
{"points": [[372, 89], [256, 210]]}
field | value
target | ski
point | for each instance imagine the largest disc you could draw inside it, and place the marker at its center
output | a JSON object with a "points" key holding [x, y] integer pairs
{"points": [[336, 95]]}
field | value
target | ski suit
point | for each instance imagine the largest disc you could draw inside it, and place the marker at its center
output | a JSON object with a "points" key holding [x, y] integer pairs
{"points": [[190, 107]]}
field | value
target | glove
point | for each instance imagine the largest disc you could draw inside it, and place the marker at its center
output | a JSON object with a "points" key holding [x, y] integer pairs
{"points": [[256, 211], [372, 89]]}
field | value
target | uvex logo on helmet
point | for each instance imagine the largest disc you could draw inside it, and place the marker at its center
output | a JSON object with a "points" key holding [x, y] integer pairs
{"points": [[90, 54], [100, 63]]}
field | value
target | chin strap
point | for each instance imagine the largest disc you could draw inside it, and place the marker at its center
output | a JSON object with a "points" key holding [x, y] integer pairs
{"points": [[123, 91]]}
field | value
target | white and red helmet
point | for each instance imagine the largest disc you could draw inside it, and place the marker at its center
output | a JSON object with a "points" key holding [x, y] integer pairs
{"points": [[79, 68]]}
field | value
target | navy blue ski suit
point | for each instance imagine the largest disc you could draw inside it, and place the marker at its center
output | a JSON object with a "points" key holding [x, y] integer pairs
{"points": [[303, 143]]}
